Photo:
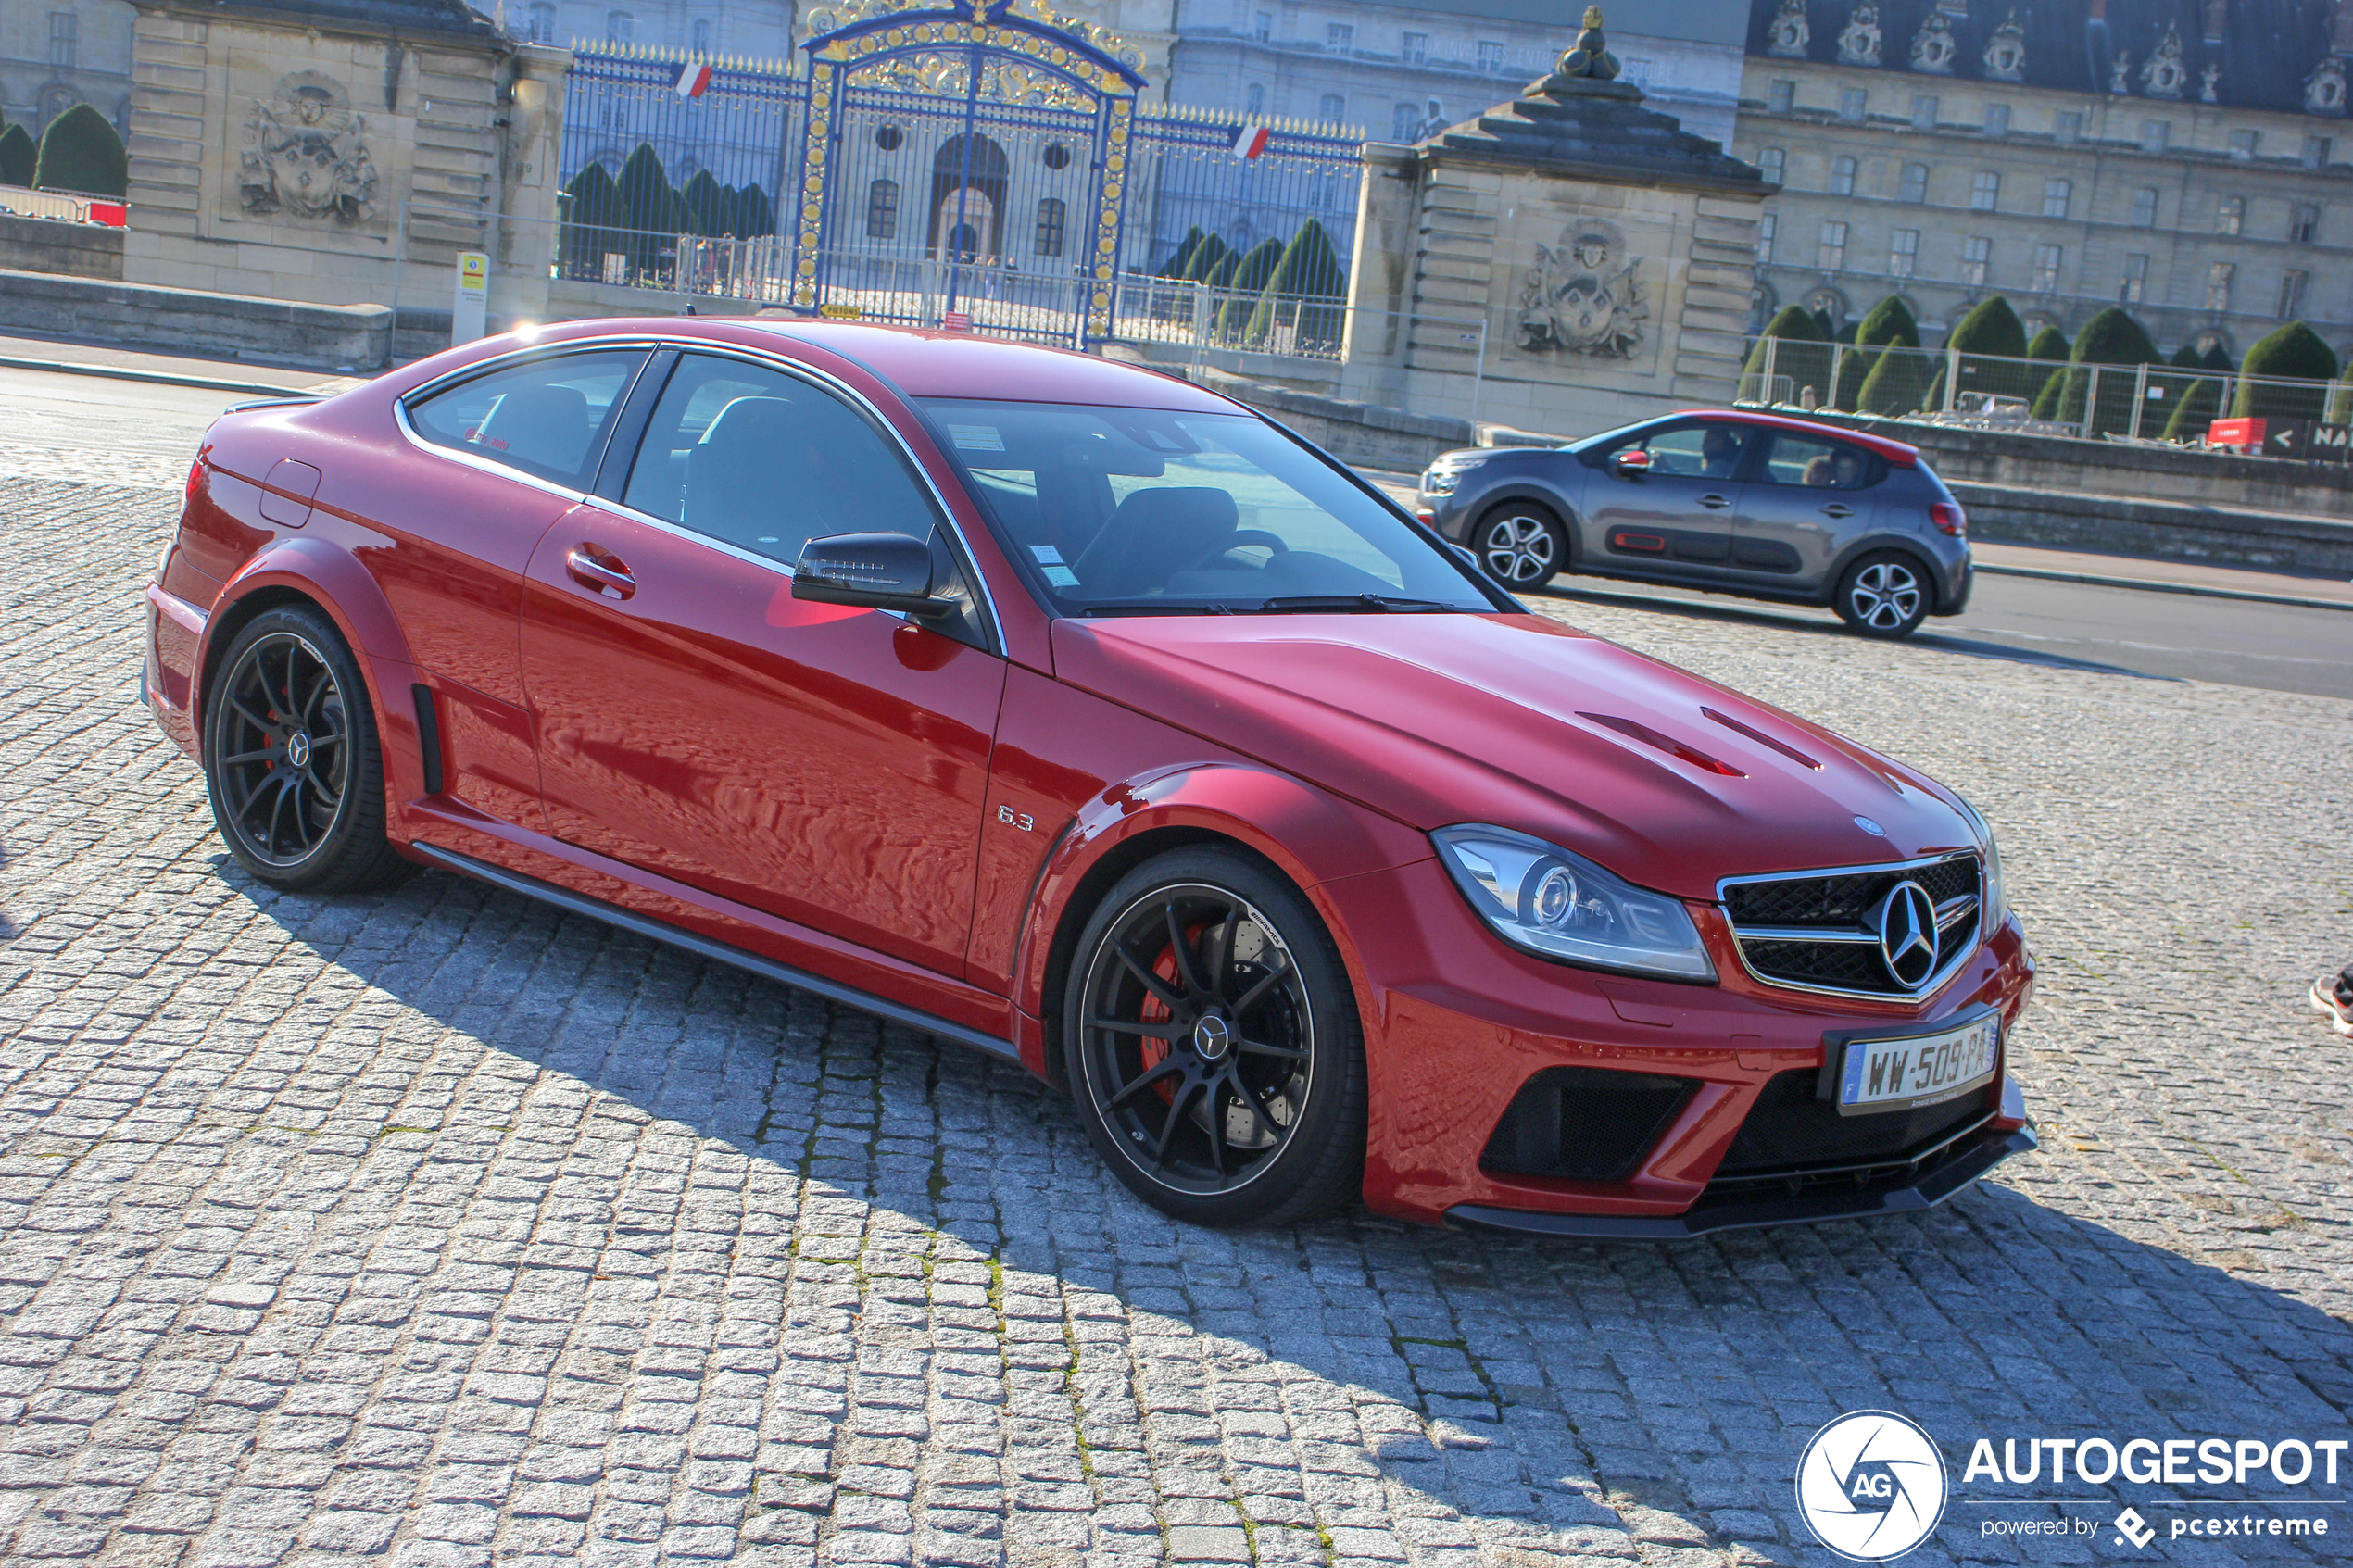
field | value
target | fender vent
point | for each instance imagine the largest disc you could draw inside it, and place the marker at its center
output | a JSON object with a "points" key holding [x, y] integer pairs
{"points": [[1584, 1124]]}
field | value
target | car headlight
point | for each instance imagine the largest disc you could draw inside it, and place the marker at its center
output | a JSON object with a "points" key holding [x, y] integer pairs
{"points": [[1997, 901], [1440, 482], [1538, 897]]}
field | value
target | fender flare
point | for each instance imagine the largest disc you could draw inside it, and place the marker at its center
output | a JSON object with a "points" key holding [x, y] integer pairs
{"points": [[1894, 544], [329, 577], [1309, 835]]}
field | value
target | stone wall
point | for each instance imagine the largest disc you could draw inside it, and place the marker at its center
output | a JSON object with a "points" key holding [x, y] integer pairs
{"points": [[74, 250], [195, 321]]}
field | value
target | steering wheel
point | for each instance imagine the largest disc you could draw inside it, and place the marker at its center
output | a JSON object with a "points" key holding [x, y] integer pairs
{"points": [[1239, 539]]}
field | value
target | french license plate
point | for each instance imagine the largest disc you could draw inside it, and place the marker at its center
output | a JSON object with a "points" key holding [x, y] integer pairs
{"points": [[1919, 1070]]}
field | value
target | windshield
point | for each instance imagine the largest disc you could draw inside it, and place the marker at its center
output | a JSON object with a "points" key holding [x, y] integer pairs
{"points": [[1144, 511]]}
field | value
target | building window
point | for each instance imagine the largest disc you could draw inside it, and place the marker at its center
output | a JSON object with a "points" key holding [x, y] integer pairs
{"points": [[2318, 150], [1339, 37], [2230, 217], [1331, 108], [2057, 195], [1977, 255], [65, 35], [1984, 190], [1414, 48], [2046, 268], [2144, 208], [2303, 222], [2291, 295], [1842, 176], [2068, 126], [2156, 134], [620, 27], [882, 210], [2218, 286], [702, 38], [1764, 230], [1781, 96], [543, 21], [1904, 253], [1773, 160], [1490, 55], [2243, 142], [1052, 218], [1436, 115], [1405, 123], [2136, 280], [1924, 109], [1265, 26], [1997, 119], [1831, 254], [1255, 101], [1852, 101], [1913, 187]]}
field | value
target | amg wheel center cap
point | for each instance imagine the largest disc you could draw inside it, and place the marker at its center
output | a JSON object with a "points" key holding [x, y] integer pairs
{"points": [[299, 749], [1213, 1038], [1907, 923]]}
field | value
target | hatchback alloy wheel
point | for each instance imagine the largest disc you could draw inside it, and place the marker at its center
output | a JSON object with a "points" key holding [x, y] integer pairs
{"points": [[1520, 549], [1882, 595]]}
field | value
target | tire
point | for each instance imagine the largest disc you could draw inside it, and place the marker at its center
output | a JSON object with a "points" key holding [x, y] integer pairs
{"points": [[1520, 545], [291, 760], [1284, 1065], [1885, 593]]}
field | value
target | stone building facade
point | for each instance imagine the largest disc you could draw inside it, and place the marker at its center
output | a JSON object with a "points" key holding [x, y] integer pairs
{"points": [[55, 54], [2191, 162]]}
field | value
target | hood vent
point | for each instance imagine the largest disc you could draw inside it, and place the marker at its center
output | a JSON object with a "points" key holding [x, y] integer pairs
{"points": [[1761, 738], [1668, 744]]}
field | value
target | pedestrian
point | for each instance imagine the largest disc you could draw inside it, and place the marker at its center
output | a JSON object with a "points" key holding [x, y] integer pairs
{"points": [[2333, 993]]}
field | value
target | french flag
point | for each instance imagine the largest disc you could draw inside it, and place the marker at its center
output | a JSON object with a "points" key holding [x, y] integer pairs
{"points": [[1249, 140], [693, 79]]}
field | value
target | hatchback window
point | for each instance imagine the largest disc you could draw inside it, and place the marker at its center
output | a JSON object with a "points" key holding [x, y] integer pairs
{"points": [[1141, 511], [1692, 451], [546, 418], [767, 462], [1821, 465]]}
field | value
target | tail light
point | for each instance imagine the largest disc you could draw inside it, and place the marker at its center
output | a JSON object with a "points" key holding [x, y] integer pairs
{"points": [[1949, 519], [196, 477], [1427, 516]]}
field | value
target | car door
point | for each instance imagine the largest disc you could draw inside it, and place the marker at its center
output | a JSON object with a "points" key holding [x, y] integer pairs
{"points": [[506, 452], [823, 763], [1807, 497], [1673, 517]]}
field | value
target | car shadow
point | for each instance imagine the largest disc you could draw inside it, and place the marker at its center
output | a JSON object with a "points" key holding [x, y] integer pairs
{"points": [[1530, 1399]]}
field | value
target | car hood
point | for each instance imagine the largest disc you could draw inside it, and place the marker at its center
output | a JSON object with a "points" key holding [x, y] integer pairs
{"points": [[1667, 779]]}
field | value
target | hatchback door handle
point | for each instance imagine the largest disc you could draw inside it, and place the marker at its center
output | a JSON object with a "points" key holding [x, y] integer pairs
{"points": [[590, 572], [1712, 502], [1835, 509]]}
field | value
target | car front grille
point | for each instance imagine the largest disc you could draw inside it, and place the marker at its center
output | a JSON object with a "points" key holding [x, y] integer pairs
{"points": [[1793, 1138], [1813, 930]]}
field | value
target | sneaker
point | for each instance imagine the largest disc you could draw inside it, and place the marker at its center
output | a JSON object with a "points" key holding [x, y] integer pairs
{"points": [[2333, 993]]}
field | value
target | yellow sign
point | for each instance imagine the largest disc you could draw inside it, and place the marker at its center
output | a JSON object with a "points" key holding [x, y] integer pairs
{"points": [[474, 271], [841, 312]]}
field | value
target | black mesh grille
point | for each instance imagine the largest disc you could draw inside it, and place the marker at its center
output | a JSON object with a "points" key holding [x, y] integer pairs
{"points": [[1587, 1124], [1839, 903], [1789, 1130]]}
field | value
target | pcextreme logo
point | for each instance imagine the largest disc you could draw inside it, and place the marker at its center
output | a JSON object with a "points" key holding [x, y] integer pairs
{"points": [[1871, 1486]]}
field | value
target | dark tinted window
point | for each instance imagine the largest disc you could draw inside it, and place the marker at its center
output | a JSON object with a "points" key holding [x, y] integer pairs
{"points": [[1692, 451], [767, 462], [546, 417], [1818, 464]]}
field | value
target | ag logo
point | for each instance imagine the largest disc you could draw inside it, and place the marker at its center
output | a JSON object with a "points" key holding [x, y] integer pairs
{"points": [[1871, 1486]]}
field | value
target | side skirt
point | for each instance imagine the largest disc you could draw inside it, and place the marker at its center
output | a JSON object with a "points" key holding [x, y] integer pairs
{"points": [[704, 946]]}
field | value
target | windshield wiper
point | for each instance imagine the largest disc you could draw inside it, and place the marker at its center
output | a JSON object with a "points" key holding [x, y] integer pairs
{"points": [[1357, 604], [1154, 607]]}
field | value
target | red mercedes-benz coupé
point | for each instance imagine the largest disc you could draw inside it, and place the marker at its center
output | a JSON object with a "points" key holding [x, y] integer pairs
{"points": [[1084, 717]]}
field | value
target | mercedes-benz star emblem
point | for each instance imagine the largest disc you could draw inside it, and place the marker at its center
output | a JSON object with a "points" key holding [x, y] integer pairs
{"points": [[1870, 827], [1907, 923], [1211, 1037], [299, 750]]}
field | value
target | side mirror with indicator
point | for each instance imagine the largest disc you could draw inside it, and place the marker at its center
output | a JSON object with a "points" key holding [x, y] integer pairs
{"points": [[1632, 463]]}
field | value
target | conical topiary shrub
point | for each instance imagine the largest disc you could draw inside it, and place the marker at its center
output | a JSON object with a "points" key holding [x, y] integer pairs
{"points": [[1179, 259], [1310, 272], [591, 214], [650, 209], [79, 152], [754, 216], [2109, 338], [19, 155], [2049, 343], [1897, 385], [1237, 308], [1206, 259], [2200, 405], [2294, 350], [1799, 352], [702, 205], [1887, 324], [1987, 345], [2218, 358]]}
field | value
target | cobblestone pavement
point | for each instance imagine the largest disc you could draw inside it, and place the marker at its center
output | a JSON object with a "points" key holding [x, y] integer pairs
{"points": [[437, 1227]]}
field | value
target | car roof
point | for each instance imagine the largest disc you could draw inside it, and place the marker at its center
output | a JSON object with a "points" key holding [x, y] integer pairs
{"points": [[1893, 451]]}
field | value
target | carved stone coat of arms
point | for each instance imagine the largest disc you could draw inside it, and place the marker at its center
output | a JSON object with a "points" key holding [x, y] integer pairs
{"points": [[1584, 296], [303, 154]]}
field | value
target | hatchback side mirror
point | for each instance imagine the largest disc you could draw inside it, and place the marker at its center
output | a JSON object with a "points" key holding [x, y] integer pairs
{"points": [[1632, 462], [871, 571]]}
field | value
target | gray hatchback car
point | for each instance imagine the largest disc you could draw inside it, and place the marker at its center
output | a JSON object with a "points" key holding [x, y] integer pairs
{"points": [[1725, 500]]}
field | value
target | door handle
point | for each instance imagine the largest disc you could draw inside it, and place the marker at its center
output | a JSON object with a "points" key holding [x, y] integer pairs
{"points": [[590, 572], [1713, 502], [1836, 509]]}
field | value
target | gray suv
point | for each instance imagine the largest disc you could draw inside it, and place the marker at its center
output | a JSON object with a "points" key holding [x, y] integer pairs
{"points": [[1719, 499]]}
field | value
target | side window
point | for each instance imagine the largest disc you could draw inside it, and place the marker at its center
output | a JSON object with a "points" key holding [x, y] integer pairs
{"points": [[1695, 451], [546, 418], [1821, 465], [767, 462]]}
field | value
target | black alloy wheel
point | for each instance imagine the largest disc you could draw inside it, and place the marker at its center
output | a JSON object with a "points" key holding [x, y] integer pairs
{"points": [[1521, 546], [291, 763], [1883, 594], [1212, 1044]]}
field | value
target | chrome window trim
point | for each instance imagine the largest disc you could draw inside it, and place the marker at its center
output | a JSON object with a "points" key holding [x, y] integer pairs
{"points": [[1928, 988], [786, 364]]}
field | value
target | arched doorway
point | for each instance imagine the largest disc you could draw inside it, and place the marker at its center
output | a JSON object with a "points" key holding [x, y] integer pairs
{"points": [[968, 178]]}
